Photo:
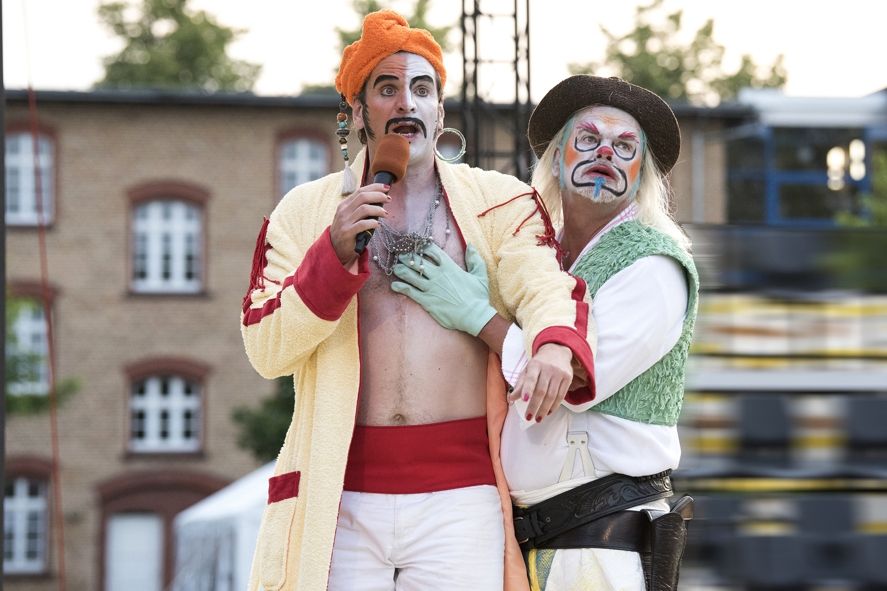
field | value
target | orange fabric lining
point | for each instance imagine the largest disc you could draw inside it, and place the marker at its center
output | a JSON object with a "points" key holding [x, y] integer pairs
{"points": [[497, 409]]}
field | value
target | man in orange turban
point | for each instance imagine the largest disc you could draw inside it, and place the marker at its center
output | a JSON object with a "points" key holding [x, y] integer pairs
{"points": [[389, 476]]}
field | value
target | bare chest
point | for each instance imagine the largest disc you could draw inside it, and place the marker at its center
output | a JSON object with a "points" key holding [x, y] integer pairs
{"points": [[413, 371]]}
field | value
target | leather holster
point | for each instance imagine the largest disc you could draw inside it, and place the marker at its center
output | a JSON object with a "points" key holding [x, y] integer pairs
{"points": [[668, 538]]}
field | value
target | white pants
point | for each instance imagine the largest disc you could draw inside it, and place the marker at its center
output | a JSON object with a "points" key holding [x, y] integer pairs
{"points": [[599, 569], [451, 539], [596, 568]]}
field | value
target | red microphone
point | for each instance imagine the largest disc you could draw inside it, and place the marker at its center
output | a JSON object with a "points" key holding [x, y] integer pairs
{"points": [[389, 165]]}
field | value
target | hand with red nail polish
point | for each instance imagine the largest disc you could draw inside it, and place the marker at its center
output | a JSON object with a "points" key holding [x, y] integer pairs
{"points": [[544, 381]]}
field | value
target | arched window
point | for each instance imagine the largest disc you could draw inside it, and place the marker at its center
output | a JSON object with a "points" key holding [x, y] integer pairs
{"points": [[167, 244], [27, 349], [21, 183], [25, 526], [26, 516], [302, 158], [168, 253], [166, 406]]}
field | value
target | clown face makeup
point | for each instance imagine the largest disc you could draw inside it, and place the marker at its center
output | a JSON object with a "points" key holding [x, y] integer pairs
{"points": [[401, 97], [600, 157]]}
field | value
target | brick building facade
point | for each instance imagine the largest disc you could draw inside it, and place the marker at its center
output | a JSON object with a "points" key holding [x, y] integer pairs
{"points": [[139, 334]]}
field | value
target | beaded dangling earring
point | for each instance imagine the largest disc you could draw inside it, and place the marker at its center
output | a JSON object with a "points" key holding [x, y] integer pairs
{"points": [[349, 182]]}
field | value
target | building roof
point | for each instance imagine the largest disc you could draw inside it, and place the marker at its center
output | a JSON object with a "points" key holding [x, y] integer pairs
{"points": [[304, 101], [175, 98]]}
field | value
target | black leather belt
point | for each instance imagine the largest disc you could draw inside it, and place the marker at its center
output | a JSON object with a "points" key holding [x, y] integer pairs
{"points": [[625, 530], [541, 523]]}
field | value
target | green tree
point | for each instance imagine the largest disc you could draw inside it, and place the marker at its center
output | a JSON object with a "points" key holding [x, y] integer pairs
{"points": [[858, 263], [363, 8], [263, 429], [874, 204], [418, 20], [169, 46], [651, 56]]}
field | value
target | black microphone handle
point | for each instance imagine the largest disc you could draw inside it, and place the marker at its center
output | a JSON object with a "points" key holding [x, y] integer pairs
{"points": [[386, 178]]}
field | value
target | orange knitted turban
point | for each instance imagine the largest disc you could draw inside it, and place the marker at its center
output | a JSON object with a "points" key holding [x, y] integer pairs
{"points": [[384, 33]]}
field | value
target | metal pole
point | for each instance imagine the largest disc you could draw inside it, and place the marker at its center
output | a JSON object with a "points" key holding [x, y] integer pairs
{"points": [[517, 115], [525, 143], [475, 99], [3, 275]]}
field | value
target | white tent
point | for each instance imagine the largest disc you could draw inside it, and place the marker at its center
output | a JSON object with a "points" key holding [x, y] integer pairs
{"points": [[215, 538]]}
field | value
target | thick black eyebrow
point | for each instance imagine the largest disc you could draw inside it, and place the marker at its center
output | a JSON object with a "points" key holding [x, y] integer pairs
{"points": [[422, 78], [389, 77], [384, 78]]}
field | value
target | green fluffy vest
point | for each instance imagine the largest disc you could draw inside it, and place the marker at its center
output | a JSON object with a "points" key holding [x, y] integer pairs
{"points": [[655, 396]]}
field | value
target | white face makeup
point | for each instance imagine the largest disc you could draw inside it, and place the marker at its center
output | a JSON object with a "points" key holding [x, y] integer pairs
{"points": [[600, 157], [401, 97]]}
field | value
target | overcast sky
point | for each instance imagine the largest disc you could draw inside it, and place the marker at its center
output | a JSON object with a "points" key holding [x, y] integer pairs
{"points": [[830, 48]]}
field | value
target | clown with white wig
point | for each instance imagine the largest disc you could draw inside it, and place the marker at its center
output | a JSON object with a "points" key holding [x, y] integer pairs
{"points": [[590, 480]]}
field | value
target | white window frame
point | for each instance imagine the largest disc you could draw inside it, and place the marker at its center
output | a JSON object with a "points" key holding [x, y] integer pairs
{"points": [[25, 526], [21, 193], [169, 422], [302, 159], [167, 247], [31, 338]]}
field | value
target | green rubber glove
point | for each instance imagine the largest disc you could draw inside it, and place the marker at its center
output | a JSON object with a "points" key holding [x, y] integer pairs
{"points": [[457, 299]]}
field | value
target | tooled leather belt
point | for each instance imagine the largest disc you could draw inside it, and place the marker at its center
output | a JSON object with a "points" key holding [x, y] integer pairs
{"points": [[536, 526]]}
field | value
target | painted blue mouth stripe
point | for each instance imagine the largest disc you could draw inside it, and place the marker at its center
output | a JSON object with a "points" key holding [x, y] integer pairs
{"points": [[598, 183]]}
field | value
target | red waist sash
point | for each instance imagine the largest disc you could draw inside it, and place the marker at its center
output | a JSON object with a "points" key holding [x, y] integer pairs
{"points": [[419, 458]]}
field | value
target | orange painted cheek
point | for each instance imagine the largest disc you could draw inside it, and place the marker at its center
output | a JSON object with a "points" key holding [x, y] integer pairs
{"points": [[571, 156], [633, 171]]}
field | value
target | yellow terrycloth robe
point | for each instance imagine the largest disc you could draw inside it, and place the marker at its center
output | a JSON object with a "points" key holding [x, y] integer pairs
{"points": [[283, 335]]}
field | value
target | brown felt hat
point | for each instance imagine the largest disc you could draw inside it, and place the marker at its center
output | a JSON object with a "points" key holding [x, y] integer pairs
{"points": [[578, 92]]}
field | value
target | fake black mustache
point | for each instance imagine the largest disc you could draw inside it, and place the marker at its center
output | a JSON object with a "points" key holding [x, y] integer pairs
{"points": [[395, 122], [619, 172]]}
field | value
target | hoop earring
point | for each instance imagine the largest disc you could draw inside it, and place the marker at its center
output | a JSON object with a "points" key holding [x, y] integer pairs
{"points": [[461, 150]]}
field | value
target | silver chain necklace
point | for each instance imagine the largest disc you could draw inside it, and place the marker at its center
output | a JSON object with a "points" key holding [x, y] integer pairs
{"points": [[388, 244]]}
